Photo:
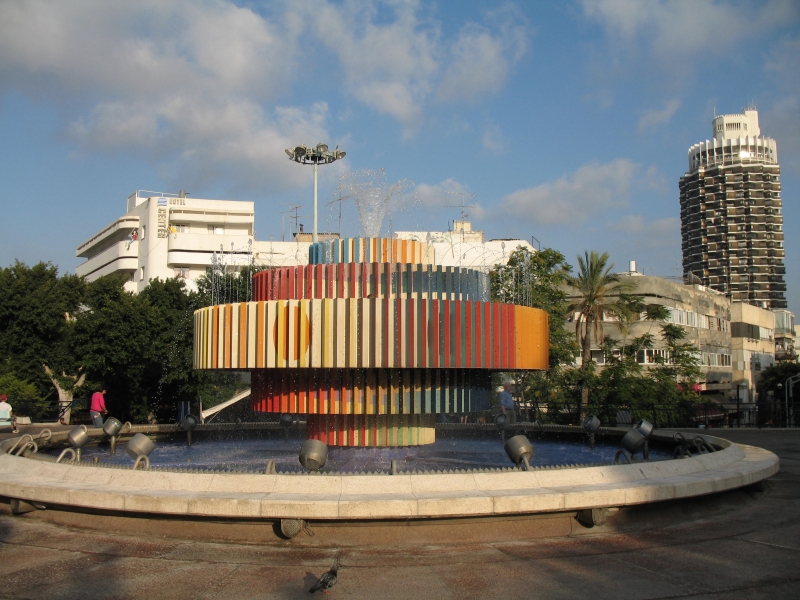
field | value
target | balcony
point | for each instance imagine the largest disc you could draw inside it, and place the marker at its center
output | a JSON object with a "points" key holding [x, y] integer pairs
{"points": [[206, 242], [119, 257], [198, 248], [118, 230]]}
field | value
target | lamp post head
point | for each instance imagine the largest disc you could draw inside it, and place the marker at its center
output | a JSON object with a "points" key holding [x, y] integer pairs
{"points": [[315, 155]]}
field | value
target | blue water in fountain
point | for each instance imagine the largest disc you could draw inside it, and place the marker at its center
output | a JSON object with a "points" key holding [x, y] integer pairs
{"points": [[446, 454]]}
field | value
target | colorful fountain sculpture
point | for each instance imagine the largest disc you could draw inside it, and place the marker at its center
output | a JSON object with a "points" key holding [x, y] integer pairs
{"points": [[370, 341]]}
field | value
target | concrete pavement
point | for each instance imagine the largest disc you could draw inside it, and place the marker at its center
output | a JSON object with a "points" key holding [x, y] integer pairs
{"points": [[740, 544]]}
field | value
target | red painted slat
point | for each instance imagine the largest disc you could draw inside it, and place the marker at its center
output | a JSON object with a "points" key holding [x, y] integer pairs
{"points": [[459, 332], [469, 309], [447, 341]]}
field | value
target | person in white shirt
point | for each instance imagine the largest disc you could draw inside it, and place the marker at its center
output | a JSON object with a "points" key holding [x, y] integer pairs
{"points": [[4, 405]]}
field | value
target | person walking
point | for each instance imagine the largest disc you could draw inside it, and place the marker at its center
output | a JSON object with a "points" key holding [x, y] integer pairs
{"points": [[98, 408], [4, 405], [507, 406]]}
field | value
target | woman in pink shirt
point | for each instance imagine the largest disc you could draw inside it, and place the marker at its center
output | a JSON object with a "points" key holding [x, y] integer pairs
{"points": [[98, 407]]}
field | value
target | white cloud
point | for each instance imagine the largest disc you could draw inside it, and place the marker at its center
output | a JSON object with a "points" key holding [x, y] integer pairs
{"points": [[388, 65], [780, 119], [677, 31], [482, 58], [574, 198], [198, 87], [491, 138], [656, 233], [654, 118], [396, 66]]}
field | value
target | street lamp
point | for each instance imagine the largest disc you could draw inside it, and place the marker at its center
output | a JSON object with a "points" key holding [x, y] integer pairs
{"points": [[314, 156]]}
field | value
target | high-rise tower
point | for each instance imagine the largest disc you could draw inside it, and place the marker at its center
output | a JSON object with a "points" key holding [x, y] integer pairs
{"points": [[731, 218]]}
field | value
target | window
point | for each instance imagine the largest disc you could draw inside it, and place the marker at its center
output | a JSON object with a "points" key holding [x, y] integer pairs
{"points": [[216, 229], [144, 231], [142, 274], [181, 227], [181, 272]]}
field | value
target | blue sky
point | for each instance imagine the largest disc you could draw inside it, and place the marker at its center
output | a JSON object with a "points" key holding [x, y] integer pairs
{"points": [[569, 121]]}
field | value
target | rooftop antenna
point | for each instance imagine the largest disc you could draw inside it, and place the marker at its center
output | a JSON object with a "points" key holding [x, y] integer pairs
{"points": [[340, 199], [462, 206], [293, 208]]}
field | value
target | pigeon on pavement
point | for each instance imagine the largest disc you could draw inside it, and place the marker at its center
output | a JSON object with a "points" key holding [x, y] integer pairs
{"points": [[328, 579]]}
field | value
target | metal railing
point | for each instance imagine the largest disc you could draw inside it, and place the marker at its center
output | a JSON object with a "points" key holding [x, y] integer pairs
{"points": [[46, 411], [708, 414]]}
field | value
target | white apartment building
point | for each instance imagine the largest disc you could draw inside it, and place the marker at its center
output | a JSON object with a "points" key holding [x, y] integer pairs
{"points": [[167, 235], [466, 247]]}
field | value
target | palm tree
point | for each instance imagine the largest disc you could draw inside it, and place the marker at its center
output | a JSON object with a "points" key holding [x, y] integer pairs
{"points": [[600, 293]]}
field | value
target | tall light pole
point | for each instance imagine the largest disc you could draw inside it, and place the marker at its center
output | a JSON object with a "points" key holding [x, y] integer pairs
{"points": [[314, 156]]}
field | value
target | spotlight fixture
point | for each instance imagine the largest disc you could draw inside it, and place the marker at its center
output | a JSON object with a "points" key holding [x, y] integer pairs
{"points": [[644, 427], [314, 156], [187, 424], [633, 441], [591, 424], [313, 454], [78, 438], [111, 428], [286, 421], [139, 448], [520, 451]]}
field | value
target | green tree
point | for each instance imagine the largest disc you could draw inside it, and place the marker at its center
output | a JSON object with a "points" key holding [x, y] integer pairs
{"points": [[538, 280], [38, 311], [683, 364], [600, 293], [778, 374], [22, 395]]}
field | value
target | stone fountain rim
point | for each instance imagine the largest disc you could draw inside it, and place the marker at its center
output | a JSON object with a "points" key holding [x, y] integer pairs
{"points": [[350, 497]]}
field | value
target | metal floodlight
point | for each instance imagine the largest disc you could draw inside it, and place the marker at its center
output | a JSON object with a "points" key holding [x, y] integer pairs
{"points": [[633, 441], [316, 156], [591, 424], [313, 454], [78, 438], [188, 423], [644, 427], [139, 448], [520, 451], [286, 421], [501, 420], [112, 427]]}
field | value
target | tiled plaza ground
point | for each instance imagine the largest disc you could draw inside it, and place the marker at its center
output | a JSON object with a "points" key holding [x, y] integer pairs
{"points": [[742, 544]]}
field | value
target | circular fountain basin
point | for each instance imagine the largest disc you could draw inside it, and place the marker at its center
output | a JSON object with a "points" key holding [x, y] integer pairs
{"points": [[250, 454], [354, 497]]}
